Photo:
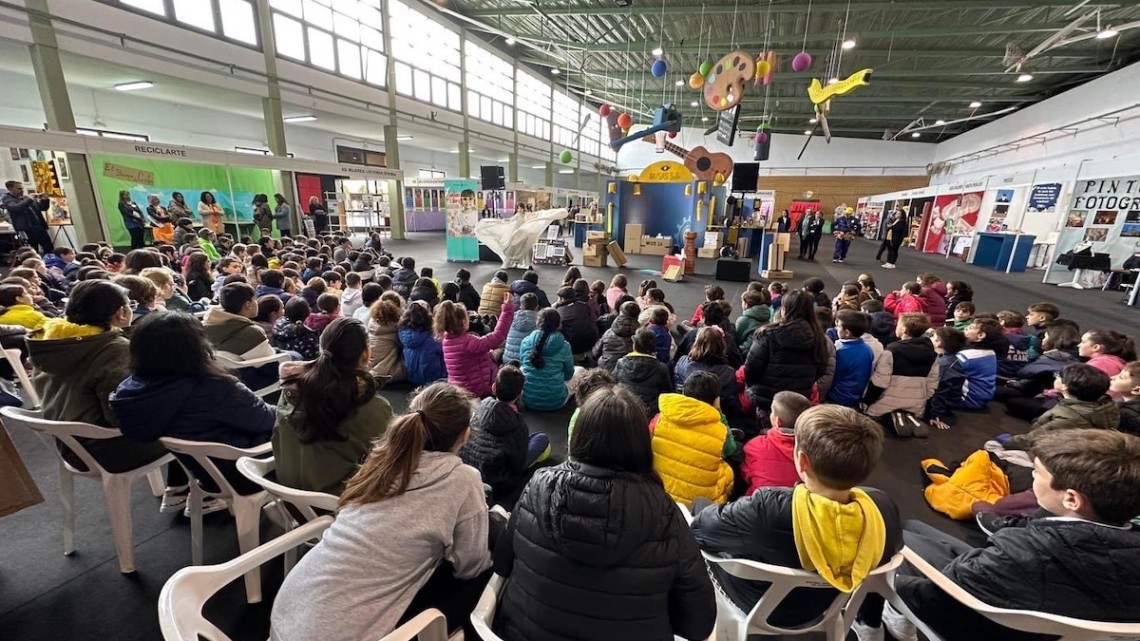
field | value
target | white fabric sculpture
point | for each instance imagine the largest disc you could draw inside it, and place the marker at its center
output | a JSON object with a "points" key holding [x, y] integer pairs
{"points": [[514, 238]]}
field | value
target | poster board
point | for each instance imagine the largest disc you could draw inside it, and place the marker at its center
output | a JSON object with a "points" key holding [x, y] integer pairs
{"points": [[1104, 212], [462, 216], [952, 215]]}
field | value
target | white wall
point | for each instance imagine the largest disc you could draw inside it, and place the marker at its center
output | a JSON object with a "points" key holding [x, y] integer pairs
{"points": [[1072, 140], [844, 156]]}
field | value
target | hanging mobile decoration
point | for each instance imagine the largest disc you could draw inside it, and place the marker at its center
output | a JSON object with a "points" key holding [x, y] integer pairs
{"points": [[604, 110], [659, 68], [802, 60]]}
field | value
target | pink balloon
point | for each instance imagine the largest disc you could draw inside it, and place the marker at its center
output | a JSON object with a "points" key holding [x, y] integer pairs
{"points": [[801, 62], [761, 137]]}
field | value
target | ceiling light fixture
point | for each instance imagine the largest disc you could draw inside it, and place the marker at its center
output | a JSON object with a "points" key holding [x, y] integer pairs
{"points": [[565, 171], [134, 86], [1106, 33], [403, 138], [807, 132], [812, 121], [1025, 77], [538, 166], [975, 104], [939, 122], [833, 81], [694, 104], [657, 51], [849, 44], [915, 135], [510, 41], [704, 118], [680, 83], [555, 71], [588, 92], [305, 118]]}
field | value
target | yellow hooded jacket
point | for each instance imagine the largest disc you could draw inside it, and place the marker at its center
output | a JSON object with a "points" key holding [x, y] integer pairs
{"points": [[687, 446]]}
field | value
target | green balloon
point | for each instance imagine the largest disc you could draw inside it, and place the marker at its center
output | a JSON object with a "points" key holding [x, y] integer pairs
{"points": [[705, 68], [565, 156]]}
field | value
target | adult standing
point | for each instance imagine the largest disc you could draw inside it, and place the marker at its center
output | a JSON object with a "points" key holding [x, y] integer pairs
{"points": [[132, 219], [27, 214], [896, 232], [262, 216], [162, 228], [177, 209], [784, 222], [211, 212], [843, 227], [320, 215], [283, 215], [811, 232]]}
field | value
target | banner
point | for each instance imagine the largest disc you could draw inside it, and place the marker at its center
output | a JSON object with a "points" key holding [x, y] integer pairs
{"points": [[953, 215], [1105, 212], [1043, 198], [462, 215]]}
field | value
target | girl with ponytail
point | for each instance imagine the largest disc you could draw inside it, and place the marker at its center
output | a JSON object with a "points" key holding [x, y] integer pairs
{"points": [[547, 363], [329, 412], [412, 505], [467, 354]]}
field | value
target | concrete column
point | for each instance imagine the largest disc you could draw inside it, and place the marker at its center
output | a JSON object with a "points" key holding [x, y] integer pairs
{"points": [[465, 144], [391, 136], [464, 157], [271, 109], [550, 173], [395, 187], [48, 70], [513, 163]]}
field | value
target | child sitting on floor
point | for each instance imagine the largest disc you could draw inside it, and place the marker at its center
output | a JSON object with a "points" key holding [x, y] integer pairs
{"points": [[754, 314], [814, 287], [642, 372], [967, 378], [769, 459], [963, 315], [499, 445], [690, 440], [1038, 316], [290, 333], [848, 298], [1083, 404], [663, 340], [1126, 386], [329, 306], [906, 374], [584, 383], [712, 292], [907, 300], [854, 359]]}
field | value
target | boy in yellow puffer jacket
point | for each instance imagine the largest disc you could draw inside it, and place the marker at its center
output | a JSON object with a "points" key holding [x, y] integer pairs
{"points": [[689, 440]]}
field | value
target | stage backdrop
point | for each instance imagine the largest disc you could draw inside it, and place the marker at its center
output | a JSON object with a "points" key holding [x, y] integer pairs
{"points": [[461, 218], [233, 187]]}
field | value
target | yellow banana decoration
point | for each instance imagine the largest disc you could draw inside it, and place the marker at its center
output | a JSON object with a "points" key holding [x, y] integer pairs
{"points": [[820, 94]]}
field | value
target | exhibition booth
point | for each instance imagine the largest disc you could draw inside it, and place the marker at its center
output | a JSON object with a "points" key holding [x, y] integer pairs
{"points": [[44, 171]]}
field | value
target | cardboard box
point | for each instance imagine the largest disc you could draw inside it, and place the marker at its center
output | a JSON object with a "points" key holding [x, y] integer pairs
{"points": [[655, 249], [713, 240], [708, 252], [742, 247], [633, 235], [593, 250], [596, 261], [617, 254], [777, 275], [598, 234]]}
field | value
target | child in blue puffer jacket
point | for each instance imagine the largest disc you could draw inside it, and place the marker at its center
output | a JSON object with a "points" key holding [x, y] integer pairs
{"points": [[521, 327], [547, 364], [423, 354], [967, 378]]}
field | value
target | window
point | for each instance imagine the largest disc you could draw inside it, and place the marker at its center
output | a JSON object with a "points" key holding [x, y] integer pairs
{"points": [[343, 36], [490, 84], [534, 105], [114, 135], [195, 13], [238, 21], [427, 54], [233, 20], [566, 124]]}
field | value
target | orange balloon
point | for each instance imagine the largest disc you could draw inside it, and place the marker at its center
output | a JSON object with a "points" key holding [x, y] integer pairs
{"points": [[696, 81], [625, 121]]}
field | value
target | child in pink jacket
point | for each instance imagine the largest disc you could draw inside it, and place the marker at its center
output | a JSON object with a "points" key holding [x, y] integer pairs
{"points": [[466, 354], [906, 300]]}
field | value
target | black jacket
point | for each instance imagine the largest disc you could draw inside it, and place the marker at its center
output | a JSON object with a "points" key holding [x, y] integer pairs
{"points": [[524, 286], [732, 350], [759, 528], [883, 327], [578, 325], [26, 213], [645, 376], [616, 342], [729, 399], [469, 297], [497, 445], [596, 555], [1067, 567], [782, 357], [427, 293], [403, 280], [897, 230], [811, 228], [1130, 416]]}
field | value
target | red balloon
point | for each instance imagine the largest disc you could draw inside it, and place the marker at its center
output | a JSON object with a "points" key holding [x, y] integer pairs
{"points": [[604, 111], [625, 121], [671, 134]]}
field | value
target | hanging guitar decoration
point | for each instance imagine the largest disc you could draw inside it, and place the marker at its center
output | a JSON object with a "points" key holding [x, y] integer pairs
{"points": [[705, 164]]}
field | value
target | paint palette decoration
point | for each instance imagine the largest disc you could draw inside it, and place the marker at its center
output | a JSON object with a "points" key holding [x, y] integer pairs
{"points": [[724, 84]]}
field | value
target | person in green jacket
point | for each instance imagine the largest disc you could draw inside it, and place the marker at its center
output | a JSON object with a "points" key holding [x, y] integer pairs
{"points": [[330, 413], [754, 302], [206, 242]]}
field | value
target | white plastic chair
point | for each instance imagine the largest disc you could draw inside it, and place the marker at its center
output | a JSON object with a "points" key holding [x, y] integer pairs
{"points": [[29, 390], [246, 509], [1067, 628], [257, 469], [232, 362], [733, 624], [116, 487]]}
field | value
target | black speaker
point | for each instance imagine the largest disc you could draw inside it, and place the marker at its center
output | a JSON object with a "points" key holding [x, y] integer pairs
{"points": [[493, 177]]}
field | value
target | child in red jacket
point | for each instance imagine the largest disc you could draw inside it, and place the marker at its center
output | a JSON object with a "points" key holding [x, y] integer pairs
{"points": [[906, 300], [768, 459]]}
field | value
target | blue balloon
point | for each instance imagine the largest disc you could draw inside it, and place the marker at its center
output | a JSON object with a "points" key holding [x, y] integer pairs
{"points": [[659, 68]]}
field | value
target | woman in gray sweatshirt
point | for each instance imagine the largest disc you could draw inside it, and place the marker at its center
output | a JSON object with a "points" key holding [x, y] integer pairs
{"points": [[412, 505]]}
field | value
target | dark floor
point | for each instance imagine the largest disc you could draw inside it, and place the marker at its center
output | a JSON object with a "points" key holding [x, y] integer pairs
{"points": [[46, 596]]}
